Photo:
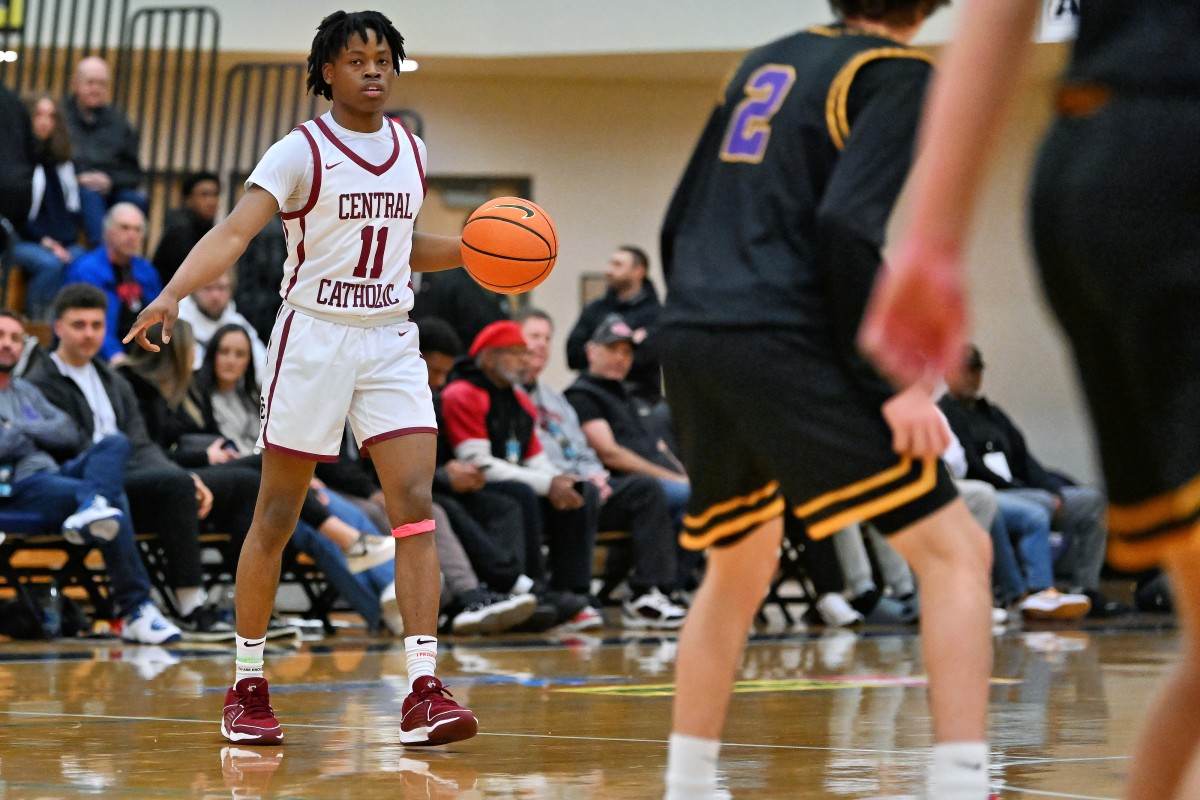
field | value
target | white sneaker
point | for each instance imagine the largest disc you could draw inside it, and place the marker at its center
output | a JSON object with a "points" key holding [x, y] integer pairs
{"points": [[653, 610], [369, 551], [1050, 604], [837, 612], [389, 609], [96, 518], [999, 616], [147, 625]]}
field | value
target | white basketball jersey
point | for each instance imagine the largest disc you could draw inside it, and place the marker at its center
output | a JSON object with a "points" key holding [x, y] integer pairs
{"points": [[349, 245]]}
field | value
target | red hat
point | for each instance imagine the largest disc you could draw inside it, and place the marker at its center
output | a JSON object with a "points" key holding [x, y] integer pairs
{"points": [[504, 333]]}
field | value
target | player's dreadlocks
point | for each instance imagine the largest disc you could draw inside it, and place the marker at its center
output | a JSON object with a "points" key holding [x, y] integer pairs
{"points": [[334, 33]]}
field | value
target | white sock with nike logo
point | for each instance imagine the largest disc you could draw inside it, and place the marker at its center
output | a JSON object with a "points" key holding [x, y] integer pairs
{"points": [[421, 654], [959, 771]]}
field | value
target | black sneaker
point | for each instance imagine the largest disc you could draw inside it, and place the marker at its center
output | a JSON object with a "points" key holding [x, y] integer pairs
{"points": [[1105, 607], [206, 624], [278, 628], [483, 611]]}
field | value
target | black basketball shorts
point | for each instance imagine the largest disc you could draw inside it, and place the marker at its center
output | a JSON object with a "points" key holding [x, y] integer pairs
{"points": [[769, 422]]}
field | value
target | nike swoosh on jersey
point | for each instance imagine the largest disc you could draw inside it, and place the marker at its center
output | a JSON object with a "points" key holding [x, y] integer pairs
{"points": [[402, 334], [331, 166]]}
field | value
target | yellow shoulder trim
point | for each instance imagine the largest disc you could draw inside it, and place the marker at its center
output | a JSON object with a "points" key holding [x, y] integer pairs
{"points": [[839, 90]]}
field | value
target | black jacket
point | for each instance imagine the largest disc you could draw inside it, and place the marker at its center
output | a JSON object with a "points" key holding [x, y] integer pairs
{"points": [[640, 312], [983, 428], [17, 158], [60, 390], [107, 142]]}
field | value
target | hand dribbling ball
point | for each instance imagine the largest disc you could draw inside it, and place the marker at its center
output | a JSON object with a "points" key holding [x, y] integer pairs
{"points": [[509, 245]]}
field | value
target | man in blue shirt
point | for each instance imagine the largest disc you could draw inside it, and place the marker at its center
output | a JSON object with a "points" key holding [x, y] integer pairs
{"points": [[119, 270]]}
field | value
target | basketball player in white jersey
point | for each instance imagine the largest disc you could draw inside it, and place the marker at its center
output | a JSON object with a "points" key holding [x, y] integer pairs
{"points": [[348, 186]]}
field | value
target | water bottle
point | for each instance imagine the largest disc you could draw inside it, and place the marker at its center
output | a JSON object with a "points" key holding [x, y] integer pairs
{"points": [[52, 611]]}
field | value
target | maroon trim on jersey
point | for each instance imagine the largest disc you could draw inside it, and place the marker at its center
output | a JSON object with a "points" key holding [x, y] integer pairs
{"points": [[383, 437], [355, 157], [283, 337], [315, 191], [416, 157], [300, 256], [287, 451]]}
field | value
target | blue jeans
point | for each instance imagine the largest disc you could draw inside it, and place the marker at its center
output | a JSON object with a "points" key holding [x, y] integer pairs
{"points": [[98, 470], [360, 594], [1021, 546], [375, 579], [93, 206], [45, 272]]}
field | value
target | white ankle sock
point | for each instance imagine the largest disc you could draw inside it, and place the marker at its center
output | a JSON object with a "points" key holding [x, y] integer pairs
{"points": [[691, 767], [421, 654], [249, 663], [959, 771]]}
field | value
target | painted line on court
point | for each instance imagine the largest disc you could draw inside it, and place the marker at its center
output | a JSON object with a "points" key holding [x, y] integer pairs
{"points": [[1047, 793], [775, 685]]}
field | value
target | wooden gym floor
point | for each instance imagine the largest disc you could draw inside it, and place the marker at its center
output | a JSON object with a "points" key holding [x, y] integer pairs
{"points": [[818, 715]]}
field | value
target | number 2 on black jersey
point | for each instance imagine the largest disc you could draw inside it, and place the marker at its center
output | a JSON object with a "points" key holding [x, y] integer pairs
{"points": [[750, 126]]}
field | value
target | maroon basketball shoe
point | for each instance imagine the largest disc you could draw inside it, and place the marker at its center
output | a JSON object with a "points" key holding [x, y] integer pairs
{"points": [[248, 718], [430, 717]]}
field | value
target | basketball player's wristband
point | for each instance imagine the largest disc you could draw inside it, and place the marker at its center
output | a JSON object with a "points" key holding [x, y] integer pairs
{"points": [[413, 528]]}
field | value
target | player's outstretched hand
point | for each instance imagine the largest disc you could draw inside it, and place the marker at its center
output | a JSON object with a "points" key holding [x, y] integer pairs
{"points": [[164, 309], [916, 321], [918, 427]]}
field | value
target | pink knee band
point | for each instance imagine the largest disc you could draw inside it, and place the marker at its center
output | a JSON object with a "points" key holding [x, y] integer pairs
{"points": [[413, 528]]}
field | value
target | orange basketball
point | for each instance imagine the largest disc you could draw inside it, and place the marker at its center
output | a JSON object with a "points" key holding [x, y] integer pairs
{"points": [[509, 245]]}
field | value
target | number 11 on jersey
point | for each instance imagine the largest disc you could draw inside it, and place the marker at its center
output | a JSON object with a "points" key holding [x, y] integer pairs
{"points": [[371, 240]]}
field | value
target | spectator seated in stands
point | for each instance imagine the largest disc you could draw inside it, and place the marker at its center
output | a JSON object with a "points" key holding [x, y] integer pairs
{"points": [[117, 268], [996, 452], [632, 297], [611, 421], [51, 235], [1022, 566], [498, 524], [183, 227], [211, 307], [633, 502], [182, 416], [164, 499], [493, 427], [105, 145], [84, 495]]}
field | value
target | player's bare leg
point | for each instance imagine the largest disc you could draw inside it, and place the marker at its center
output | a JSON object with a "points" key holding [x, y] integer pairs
{"points": [[711, 645], [1170, 735], [405, 466], [248, 717], [952, 558], [285, 480]]}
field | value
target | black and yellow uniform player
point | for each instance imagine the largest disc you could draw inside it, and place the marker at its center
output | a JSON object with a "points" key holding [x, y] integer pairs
{"points": [[771, 245], [1116, 231]]}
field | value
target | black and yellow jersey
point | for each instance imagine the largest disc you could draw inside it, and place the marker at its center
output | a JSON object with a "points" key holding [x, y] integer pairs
{"points": [[780, 216], [1142, 46]]}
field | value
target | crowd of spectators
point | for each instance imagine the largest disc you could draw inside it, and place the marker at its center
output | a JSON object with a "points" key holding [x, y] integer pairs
{"points": [[529, 474]]}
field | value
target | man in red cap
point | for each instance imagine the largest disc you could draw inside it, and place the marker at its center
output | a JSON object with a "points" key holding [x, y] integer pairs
{"points": [[491, 425]]}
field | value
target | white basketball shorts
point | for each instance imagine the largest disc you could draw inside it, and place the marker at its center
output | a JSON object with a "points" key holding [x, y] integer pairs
{"points": [[319, 373]]}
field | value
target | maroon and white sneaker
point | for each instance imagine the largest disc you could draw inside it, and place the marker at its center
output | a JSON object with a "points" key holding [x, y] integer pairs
{"points": [[429, 717], [248, 717]]}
